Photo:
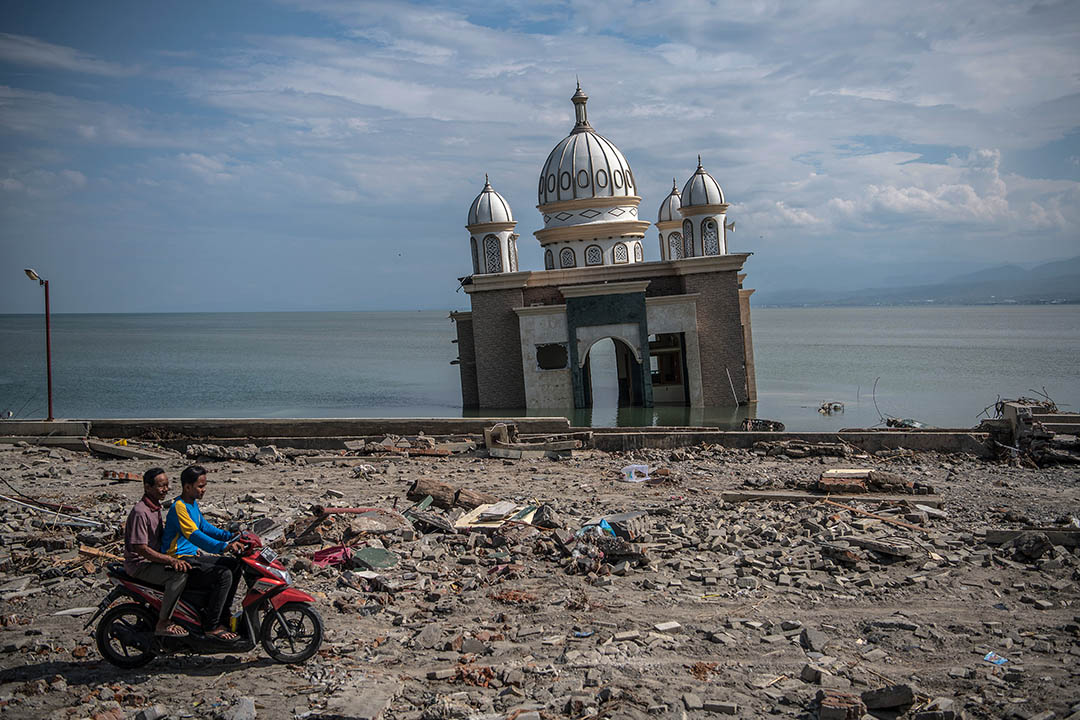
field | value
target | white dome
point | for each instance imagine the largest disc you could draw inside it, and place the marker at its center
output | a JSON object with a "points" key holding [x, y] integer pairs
{"points": [[701, 189], [585, 164], [669, 209], [489, 207]]}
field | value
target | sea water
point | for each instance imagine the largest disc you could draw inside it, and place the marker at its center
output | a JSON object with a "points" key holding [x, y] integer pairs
{"points": [[938, 365]]}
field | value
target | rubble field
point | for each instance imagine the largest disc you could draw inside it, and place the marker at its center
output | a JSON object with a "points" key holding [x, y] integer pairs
{"points": [[584, 591]]}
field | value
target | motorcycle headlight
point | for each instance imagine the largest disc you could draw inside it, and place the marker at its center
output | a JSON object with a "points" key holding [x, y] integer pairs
{"points": [[282, 575]]}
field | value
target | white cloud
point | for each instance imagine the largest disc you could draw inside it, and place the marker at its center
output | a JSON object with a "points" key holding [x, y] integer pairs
{"points": [[794, 108], [25, 50]]}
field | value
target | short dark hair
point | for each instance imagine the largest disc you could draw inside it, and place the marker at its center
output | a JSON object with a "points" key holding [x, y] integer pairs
{"points": [[192, 474], [150, 475]]}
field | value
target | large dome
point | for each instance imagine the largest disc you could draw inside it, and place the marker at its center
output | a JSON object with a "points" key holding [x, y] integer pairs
{"points": [[489, 207], [585, 164], [669, 209], [701, 189]]}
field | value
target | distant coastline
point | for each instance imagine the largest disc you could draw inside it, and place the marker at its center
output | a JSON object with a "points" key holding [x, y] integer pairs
{"points": [[1056, 283]]}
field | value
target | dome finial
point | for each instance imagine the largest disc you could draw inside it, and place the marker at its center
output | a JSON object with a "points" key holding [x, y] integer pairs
{"points": [[674, 185], [487, 183], [579, 99], [699, 161]]}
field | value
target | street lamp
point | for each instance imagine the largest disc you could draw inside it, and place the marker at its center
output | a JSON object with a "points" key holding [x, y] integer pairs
{"points": [[48, 333]]}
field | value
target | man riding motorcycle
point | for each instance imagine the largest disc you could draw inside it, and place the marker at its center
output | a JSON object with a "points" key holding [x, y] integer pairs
{"points": [[187, 532]]}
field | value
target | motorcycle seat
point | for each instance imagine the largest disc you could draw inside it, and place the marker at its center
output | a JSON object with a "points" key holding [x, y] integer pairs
{"points": [[117, 571]]}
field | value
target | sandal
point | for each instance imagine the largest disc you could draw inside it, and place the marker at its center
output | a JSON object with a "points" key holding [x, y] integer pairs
{"points": [[173, 630], [223, 634]]}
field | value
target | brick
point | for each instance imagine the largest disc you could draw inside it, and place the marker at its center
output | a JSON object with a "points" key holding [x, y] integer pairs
{"points": [[833, 705]]}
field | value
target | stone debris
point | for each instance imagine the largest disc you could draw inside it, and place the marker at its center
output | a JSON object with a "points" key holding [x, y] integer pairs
{"points": [[607, 599]]}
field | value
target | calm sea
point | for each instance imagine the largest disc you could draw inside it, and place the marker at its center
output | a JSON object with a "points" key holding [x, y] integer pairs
{"points": [[938, 365]]}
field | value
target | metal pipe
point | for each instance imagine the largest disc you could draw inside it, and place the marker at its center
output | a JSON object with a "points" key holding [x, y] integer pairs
{"points": [[48, 348]]}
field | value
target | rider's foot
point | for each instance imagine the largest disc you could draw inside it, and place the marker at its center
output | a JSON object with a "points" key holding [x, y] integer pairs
{"points": [[222, 633], [169, 629]]}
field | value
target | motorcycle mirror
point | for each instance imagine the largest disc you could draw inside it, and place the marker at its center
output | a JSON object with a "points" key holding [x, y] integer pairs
{"points": [[234, 528]]}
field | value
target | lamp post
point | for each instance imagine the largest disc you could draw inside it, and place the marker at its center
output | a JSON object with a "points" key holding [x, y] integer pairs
{"points": [[48, 333]]}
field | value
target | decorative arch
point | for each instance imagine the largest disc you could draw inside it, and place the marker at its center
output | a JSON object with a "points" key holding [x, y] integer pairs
{"points": [[639, 254], [475, 257], [710, 238], [675, 246], [688, 238], [492, 254], [619, 254], [567, 258], [594, 255], [549, 260], [512, 248]]}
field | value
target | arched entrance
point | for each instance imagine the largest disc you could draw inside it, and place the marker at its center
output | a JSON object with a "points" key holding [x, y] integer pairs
{"points": [[612, 374]]}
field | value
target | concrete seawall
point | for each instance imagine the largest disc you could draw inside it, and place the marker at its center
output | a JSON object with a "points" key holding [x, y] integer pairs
{"points": [[331, 433]]}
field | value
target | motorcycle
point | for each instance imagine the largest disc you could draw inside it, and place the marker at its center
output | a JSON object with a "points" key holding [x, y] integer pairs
{"points": [[273, 612]]}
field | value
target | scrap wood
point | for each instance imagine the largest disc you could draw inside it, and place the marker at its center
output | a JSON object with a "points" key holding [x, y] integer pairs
{"points": [[882, 518], [44, 503], [94, 552], [75, 519]]}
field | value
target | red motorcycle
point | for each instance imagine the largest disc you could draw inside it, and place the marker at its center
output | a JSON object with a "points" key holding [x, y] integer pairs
{"points": [[278, 615]]}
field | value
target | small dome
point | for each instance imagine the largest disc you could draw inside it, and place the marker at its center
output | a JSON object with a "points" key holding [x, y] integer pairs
{"points": [[584, 164], [489, 207], [701, 189], [669, 209]]}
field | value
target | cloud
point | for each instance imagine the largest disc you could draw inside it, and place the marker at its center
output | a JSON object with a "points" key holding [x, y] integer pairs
{"points": [[24, 50], [379, 120]]}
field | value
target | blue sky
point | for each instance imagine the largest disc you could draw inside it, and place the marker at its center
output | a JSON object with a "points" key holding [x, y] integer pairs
{"points": [[237, 156]]}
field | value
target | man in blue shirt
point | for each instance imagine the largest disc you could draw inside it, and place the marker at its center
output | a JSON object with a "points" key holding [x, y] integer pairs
{"points": [[186, 532]]}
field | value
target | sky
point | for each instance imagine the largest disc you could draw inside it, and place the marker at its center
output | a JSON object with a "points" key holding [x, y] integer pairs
{"points": [[322, 155]]}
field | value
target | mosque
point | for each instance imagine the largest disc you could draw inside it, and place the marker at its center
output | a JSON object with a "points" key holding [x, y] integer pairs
{"points": [[680, 326]]}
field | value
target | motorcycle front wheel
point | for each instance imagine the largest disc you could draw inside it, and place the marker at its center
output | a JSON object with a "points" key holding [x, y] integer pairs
{"points": [[293, 634], [125, 635]]}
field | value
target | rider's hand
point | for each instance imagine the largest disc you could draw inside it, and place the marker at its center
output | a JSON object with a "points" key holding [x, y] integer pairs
{"points": [[180, 565], [236, 548]]}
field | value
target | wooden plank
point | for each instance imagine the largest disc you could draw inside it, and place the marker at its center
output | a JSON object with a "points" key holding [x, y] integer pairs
{"points": [[847, 473], [882, 518], [737, 496], [1057, 536]]}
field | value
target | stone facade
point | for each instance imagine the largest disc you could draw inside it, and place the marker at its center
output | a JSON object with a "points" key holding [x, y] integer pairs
{"points": [[497, 347], [512, 314]]}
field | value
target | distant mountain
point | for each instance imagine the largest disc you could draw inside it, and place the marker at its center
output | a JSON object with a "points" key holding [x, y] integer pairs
{"points": [[1055, 282]]}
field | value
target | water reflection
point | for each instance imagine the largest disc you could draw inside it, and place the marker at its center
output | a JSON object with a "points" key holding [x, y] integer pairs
{"points": [[666, 416]]}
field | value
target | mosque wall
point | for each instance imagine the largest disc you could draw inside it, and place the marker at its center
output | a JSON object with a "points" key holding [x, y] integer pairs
{"points": [[720, 337], [539, 327], [470, 397], [678, 314], [499, 372]]}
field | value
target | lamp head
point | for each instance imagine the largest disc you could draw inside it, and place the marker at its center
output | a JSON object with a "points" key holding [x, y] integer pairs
{"points": [[31, 274]]}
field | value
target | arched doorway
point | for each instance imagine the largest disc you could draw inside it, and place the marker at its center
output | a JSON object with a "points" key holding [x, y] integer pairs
{"points": [[611, 375]]}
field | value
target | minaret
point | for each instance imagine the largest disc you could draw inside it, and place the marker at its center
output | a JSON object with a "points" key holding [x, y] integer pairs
{"points": [[492, 240], [669, 223], [703, 211]]}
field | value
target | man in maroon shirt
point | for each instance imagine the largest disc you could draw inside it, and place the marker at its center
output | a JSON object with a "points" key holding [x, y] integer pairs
{"points": [[142, 558]]}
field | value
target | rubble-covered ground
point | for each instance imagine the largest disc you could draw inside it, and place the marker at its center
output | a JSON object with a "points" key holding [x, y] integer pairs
{"points": [[746, 610]]}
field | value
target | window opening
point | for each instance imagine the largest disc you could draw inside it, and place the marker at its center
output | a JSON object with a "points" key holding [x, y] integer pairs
{"points": [[552, 356], [675, 246], [492, 254], [620, 253], [594, 255], [709, 238]]}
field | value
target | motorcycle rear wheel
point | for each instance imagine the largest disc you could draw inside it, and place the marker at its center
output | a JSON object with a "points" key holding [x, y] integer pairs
{"points": [[125, 635], [305, 626]]}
